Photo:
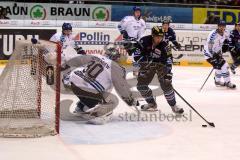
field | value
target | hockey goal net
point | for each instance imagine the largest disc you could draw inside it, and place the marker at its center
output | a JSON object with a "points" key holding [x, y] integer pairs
{"points": [[29, 91]]}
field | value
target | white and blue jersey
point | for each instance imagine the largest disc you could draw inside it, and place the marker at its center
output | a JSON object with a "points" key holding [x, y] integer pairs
{"points": [[214, 43], [134, 27], [68, 45], [63, 39]]}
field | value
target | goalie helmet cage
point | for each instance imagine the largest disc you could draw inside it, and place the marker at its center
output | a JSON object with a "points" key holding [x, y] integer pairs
{"points": [[30, 91]]}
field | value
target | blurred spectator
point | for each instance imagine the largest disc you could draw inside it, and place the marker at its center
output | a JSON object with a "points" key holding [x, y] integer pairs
{"points": [[212, 19], [3, 13]]}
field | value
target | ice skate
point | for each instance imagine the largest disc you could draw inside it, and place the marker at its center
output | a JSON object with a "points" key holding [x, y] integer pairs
{"points": [[230, 85], [149, 107], [177, 110], [219, 83]]}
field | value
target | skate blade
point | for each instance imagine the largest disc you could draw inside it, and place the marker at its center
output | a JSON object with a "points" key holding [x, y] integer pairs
{"points": [[220, 86], [150, 110]]}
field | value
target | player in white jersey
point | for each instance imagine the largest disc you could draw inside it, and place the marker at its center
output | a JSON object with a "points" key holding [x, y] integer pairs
{"points": [[66, 39], [92, 82], [217, 44], [69, 50], [132, 28]]}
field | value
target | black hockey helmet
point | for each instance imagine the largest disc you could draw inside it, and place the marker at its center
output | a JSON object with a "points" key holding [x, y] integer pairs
{"points": [[222, 23], [166, 22], [66, 26], [112, 53], [157, 31]]}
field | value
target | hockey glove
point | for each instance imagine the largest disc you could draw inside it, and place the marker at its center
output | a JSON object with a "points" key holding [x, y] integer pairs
{"points": [[217, 55], [225, 48], [125, 34], [80, 50], [177, 45], [216, 63], [137, 56]]}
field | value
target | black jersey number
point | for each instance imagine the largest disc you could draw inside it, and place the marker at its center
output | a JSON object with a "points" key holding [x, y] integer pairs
{"points": [[93, 69]]}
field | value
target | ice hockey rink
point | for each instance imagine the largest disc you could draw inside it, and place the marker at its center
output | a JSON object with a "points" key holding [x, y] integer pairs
{"points": [[152, 140]]}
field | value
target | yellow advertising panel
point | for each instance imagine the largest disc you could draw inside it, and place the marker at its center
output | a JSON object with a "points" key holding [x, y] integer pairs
{"points": [[212, 15]]}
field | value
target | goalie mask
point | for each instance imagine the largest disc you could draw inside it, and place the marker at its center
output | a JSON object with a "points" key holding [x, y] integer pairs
{"points": [[113, 54]]}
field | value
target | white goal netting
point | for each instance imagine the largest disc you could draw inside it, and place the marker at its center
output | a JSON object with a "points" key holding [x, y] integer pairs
{"points": [[28, 92]]}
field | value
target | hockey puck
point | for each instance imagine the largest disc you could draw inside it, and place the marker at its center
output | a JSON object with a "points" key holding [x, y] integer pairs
{"points": [[204, 125]]}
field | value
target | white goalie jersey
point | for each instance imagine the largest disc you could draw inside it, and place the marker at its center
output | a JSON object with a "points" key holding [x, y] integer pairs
{"points": [[214, 43], [135, 28], [98, 74]]}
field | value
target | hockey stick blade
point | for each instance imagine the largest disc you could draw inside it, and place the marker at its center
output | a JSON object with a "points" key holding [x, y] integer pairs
{"points": [[178, 57], [211, 124]]}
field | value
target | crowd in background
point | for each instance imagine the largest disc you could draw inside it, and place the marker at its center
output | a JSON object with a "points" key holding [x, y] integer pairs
{"points": [[3, 13], [211, 2]]}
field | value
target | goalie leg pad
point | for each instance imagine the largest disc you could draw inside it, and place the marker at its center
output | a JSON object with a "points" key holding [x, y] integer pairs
{"points": [[102, 113]]}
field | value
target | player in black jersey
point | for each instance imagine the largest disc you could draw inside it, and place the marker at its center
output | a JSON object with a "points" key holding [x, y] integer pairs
{"points": [[234, 45], [154, 57], [169, 34]]}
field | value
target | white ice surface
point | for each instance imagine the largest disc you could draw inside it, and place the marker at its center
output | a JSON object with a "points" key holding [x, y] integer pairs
{"points": [[148, 140]]}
